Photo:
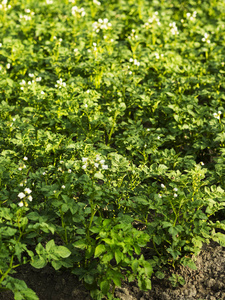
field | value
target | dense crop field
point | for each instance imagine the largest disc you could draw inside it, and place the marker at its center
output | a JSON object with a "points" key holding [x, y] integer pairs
{"points": [[112, 140]]}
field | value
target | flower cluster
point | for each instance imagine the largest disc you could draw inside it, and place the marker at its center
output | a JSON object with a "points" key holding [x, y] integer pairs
{"points": [[190, 16], [78, 11], [158, 56], [25, 196], [153, 19], [217, 115], [4, 5], [28, 16], [133, 35], [23, 82], [136, 63], [98, 163], [60, 83], [101, 25], [174, 29], [206, 38], [97, 2]]}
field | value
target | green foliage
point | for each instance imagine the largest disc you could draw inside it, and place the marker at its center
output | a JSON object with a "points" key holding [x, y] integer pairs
{"points": [[111, 138]]}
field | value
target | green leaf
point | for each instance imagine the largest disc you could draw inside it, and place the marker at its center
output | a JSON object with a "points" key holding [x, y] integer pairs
{"points": [[104, 286], [148, 268], [19, 289], [118, 256], [137, 249], [89, 279], [134, 265], [50, 245], [7, 231], [159, 274], [166, 224], [219, 238], [40, 249], [62, 251], [99, 250], [116, 277], [107, 257], [39, 262], [81, 244], [173, 231], [56, 264], [188, 262]]}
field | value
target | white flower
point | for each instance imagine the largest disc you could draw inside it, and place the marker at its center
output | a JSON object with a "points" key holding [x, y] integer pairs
{"points": [[60, 83], [174, 29], [76, 10], [217, 115], [42, 92], [61, 162], [21, 184], [84, 166], [175, 195], [84, 159], [85, 105], [20, 204], [43, 173], [63, 186], [69, 171], [202, 163], [49, 2], [21, 195], [104, 167], [8, 66], [20, 169], [160, 196], [102, 161], [206, 38], [96, 2], [137, 63], [27, 190], [96, 165], [23, 82], [25, 158], [30, 198], [175, 189], [162, 185]]}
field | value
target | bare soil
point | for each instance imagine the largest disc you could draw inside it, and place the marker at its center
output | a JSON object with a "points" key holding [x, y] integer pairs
{"points": [[207, 282]]}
